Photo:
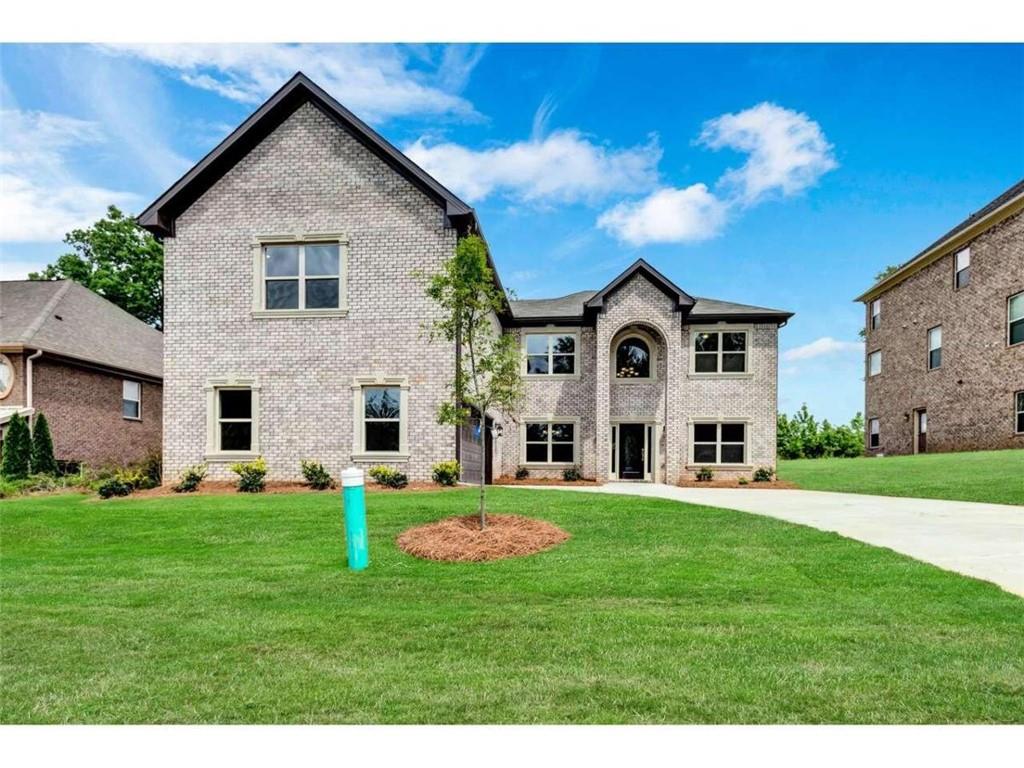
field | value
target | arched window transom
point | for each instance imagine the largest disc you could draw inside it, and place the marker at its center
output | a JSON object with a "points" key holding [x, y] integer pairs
{"points": [[633, 359]]}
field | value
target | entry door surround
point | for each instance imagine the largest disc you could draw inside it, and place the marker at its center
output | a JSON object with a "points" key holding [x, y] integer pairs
{"points": [[634, 449]]}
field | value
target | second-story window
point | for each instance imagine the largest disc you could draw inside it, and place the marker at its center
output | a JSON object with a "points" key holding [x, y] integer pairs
{"points": [[876, 314], [1015, 310], [962, 278], [934, 347], [551, 354], [720, 352], [875, 363], [302, 276]]}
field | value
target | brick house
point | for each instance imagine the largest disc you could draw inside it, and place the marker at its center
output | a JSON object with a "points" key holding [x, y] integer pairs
{"points": [[93, 369], [294, 327], [944, 367]]}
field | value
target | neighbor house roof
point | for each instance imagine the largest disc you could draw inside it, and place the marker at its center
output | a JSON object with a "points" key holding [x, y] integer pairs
{"points": [[159, 217], [582, 306], [66, 319], [1007, 204]]}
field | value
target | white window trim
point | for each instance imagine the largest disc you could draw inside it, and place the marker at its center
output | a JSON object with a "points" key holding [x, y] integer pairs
{"points": [[1010, 320], [359, 452], [957, 269], [1017, 412], [868, 363], [878, 422], [875, 305], [652, 347], [721, 328], [123, 398], [551, 331], [259, 309], [213, 452], [928, 336], [747, 423], [550, 420], [6, 361]]}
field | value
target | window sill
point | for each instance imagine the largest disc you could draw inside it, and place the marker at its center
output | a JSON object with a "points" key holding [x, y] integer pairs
{"points": [[744, 467], [132, 418], [385, 456], [720, 375], [222, 457], [547, 464], [550, 376], [637, 380], [273, 314]]}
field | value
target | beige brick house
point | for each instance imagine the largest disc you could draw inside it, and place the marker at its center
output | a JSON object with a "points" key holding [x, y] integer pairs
{"points": [[944, 367], [294, 317]]}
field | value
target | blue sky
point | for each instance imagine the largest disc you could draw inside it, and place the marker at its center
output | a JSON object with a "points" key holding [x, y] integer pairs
{"points": [[778, 175]]}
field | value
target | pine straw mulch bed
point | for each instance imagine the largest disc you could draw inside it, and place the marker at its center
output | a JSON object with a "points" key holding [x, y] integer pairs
{"points": [[543, 481], [732, 482], [460, 540], [221, 487]]}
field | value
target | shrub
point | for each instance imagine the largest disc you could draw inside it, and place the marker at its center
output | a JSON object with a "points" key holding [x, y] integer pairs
{"points": [[43, 462], [152, 468], [388, 476], [17, 456], [704, 474], [447, 472], [763, 474], [190, 479], [572, 474], [113, 487], [744, 481], [251, 475], [134, 477], [316, 476], [522, 473]]}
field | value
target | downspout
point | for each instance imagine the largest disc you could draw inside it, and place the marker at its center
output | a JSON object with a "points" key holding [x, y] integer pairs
{"points": [[28, 376]]}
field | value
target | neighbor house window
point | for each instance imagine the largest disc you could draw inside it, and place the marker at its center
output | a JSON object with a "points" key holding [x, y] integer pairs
{"points": [[1020, 412], [234, 419], [131, 399], [632, 359], [720, 351], [550, 442], [6, 376], [962, 277], [873, 433], [875, 363], [719, 443], [1016, 318], [934, 347], [305, 276], [382, 419], [876, 314], [550, 354]]}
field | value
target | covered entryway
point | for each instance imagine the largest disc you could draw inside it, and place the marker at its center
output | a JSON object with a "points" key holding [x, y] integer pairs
{"points": [[633, 447]]}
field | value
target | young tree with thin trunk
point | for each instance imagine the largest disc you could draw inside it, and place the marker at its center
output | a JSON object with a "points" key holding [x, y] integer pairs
{"points": [[487, 371]]}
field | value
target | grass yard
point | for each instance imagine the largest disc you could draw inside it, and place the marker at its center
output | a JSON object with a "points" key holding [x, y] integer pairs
{"points": [[238, 609], [994, 476]]}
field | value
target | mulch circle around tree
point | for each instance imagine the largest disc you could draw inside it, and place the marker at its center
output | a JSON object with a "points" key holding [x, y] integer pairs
{"points": [[459, 539]]}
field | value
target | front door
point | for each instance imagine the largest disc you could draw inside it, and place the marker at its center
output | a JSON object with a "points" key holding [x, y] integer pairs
{"points": [[631, 451], [922, 432]]}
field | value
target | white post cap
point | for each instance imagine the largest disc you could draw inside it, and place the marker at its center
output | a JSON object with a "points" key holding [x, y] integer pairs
{"points": [[351, 476]]}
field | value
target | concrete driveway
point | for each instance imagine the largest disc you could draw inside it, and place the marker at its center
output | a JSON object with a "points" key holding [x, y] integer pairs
{"points": [[985, 541]]}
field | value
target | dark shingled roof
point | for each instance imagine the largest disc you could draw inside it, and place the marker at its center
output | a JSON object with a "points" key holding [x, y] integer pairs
{"points": [[67, 319], [571, 307], [562, 306]]}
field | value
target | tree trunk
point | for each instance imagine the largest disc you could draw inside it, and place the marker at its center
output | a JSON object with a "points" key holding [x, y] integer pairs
{"points": [[483, 470]]}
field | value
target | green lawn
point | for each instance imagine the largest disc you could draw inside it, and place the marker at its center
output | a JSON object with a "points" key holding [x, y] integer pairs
{"points": [[995, 476], [238, 609]]}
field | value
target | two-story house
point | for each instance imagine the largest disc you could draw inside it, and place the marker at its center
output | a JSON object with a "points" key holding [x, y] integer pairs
{"points": [[944, 367], [294, 323]]}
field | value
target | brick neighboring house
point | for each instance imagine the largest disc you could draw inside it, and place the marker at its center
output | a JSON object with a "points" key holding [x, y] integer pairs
{"points": [[945, 340], [293, 327], [94, 370]]}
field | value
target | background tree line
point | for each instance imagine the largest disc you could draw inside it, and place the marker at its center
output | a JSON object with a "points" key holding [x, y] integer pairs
{"points": [[801, 436]]}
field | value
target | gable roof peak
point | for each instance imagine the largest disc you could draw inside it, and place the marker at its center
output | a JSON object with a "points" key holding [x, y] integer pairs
{"points": [[682, 299]]}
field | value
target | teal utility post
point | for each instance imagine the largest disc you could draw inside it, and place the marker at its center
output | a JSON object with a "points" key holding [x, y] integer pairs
{"points": [[354, 500]]}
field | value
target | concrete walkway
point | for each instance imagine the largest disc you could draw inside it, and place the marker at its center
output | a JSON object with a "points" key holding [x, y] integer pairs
{"points": [[985, 541]]}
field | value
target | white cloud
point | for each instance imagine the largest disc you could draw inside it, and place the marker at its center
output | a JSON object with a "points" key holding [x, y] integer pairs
{"points": [[826, 346], [563, 167], [668, 215], [377, 82], [40, 197], [788, 151]]}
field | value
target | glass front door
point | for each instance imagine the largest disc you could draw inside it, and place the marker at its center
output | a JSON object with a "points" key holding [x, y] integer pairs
{"points": [[632, 451]]}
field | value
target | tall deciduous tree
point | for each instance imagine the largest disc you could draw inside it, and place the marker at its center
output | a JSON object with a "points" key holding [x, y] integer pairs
{"points": [[43, 461], [119, 260], [487, 372], [16, 460]]}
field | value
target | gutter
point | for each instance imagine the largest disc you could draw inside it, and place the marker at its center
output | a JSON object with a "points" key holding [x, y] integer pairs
{"points": [[28, 376]]}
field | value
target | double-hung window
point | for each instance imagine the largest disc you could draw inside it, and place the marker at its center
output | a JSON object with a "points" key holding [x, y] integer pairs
{"points": [[934, 347], [875, 363], [719, 443], [874, 439], [1015, 316], [1019, 397], [876, 314], [131, 399], [550, 442], [234, 419], [301, 277], [720, 351], [382, 419], [962, 268], [550, 354]]}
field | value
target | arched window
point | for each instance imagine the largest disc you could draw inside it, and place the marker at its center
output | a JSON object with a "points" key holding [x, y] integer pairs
{"points": [[632, 359]]}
